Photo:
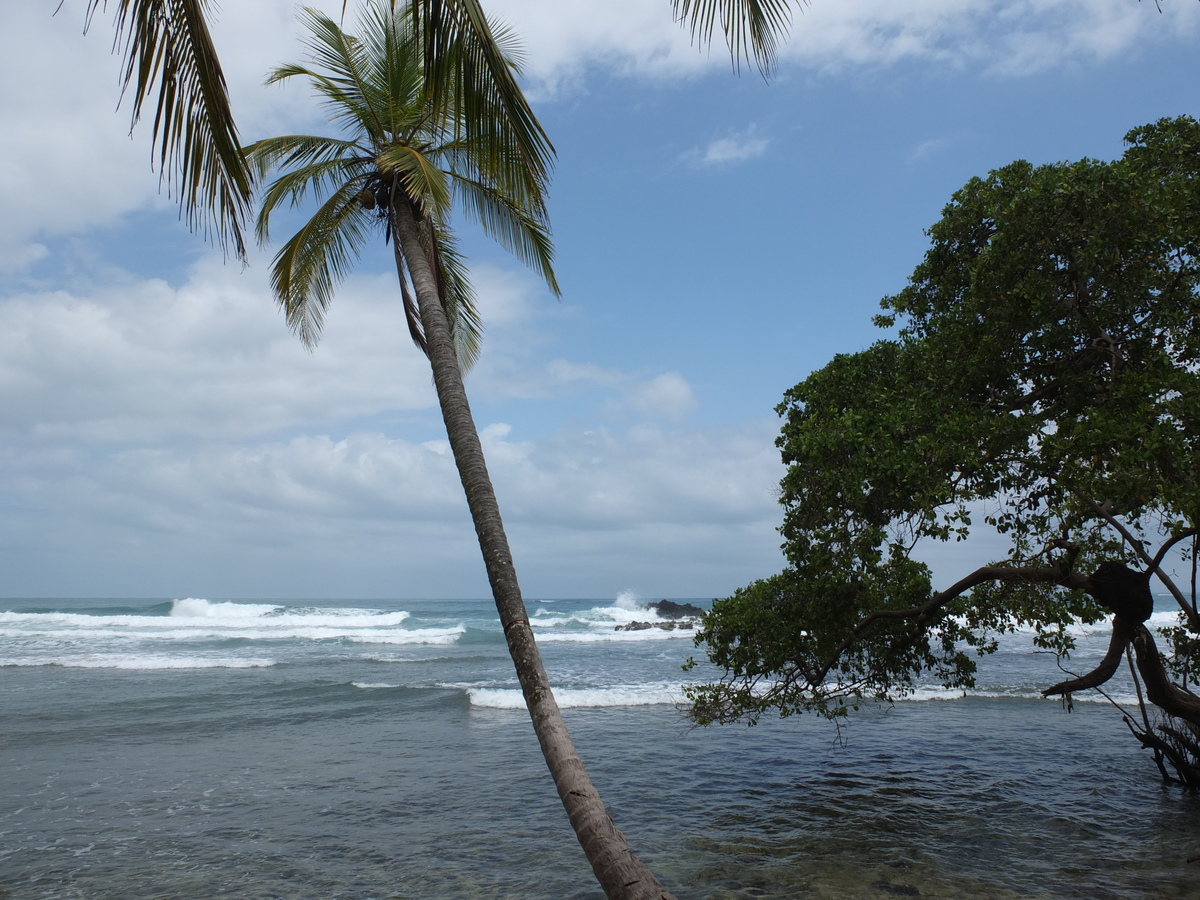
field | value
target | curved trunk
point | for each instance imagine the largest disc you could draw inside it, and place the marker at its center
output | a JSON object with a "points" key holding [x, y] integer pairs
{"points": [[620, 873]]}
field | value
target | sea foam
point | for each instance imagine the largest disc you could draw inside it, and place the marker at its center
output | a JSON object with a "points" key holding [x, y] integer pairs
{"points": [[141, 662], [622, 695]]}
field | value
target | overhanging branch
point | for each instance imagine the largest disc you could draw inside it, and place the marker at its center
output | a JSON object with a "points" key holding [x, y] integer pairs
{"points": [[1121, 636], [919, 615]]}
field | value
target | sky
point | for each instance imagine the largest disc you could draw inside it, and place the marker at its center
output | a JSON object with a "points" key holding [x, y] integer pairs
{"points": [[719, 236]]}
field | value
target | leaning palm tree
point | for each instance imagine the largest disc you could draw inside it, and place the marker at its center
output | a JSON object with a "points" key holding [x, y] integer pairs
{"points": [[417, 142]]}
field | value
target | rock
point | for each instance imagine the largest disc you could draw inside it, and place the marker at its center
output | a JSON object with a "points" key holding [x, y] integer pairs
{"points": [[681, 624], [667, 609], [634, 626], [900, 890]]}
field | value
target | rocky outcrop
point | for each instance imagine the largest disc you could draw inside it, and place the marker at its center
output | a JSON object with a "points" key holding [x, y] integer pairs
{"points": [[671, 625], [666, 609]]}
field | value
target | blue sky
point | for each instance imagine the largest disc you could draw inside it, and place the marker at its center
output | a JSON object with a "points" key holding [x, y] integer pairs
{"points": [[163, 435]]}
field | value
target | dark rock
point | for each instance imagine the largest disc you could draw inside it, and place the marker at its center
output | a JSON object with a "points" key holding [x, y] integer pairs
{"points": [[682, 625], [667, 609], [634, 626], [900, 890]]}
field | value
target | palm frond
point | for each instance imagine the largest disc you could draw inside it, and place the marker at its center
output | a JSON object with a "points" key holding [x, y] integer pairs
{"points": [[465, 55], [511, 224], [300, 150], [412, 312], [393, 69], [168, 51], [317, 258], [310, 163], [319, 178], [752, 28], [425, 184], [343, 64]]}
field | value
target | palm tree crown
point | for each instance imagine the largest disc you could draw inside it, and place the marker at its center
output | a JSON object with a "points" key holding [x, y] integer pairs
{"points": [[404, 140]]}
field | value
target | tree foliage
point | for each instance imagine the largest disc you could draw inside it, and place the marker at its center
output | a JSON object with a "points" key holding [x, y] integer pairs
{"points": [[1044, 377]]}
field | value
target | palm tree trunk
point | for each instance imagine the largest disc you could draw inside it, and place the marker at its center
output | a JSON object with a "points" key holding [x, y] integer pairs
{"points": [[620, 873]]}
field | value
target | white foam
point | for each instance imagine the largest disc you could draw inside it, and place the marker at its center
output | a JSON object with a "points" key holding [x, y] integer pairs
{"points": [[414, 636], [934, 693], [408, 659], [1162, 619], [622, 695], [194, 607], [195, 619], [595, 618], [141, 662], [600, 622], [590, 637], [1165, 619], [373, 686], [628, 600]]}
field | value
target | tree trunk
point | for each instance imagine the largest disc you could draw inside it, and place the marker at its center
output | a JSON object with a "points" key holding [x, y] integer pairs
{"points": [[620, 873]]}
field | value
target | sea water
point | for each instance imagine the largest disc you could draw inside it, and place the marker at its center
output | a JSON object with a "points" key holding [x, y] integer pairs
{"points": [[196, 748]]}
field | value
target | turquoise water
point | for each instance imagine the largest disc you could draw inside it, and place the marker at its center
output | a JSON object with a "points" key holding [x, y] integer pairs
{"points": [[195, 749]]}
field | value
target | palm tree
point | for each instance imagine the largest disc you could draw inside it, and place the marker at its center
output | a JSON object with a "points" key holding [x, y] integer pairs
{"points": [[417, 141], [496, 159]]}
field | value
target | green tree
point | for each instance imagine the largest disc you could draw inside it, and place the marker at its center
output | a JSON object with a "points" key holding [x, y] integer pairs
{"points": [[1045, 377], [416, 144]]}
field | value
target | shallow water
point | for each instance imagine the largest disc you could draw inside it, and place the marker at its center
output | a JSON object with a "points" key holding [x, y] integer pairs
{"points": [[361, 754]]}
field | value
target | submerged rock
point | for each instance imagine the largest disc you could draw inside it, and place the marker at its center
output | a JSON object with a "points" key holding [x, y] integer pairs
{"points": [[900, 890]]}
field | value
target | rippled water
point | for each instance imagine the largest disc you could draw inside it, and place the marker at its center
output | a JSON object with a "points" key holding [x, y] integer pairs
{"points": [[340, 750]]}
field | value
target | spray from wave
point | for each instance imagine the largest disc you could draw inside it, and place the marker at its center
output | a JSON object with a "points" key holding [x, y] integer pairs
{"points": [[629, 600]]}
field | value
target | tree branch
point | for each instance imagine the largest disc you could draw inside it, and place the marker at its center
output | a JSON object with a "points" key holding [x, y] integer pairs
{"points": [[1162, 691], [1060, 575], [1122, 634]]}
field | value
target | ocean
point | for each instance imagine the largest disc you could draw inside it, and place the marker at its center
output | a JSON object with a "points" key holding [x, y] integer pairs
{"points": [[200, 748]]}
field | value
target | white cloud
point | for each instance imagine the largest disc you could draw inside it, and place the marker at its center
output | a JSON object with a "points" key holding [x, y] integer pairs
{"points": [[665, 510], [665, 398], [67, 162], [1010, 38], [154, 433], [564, 41], [142, 361], [732, 148], [926, 149]]}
